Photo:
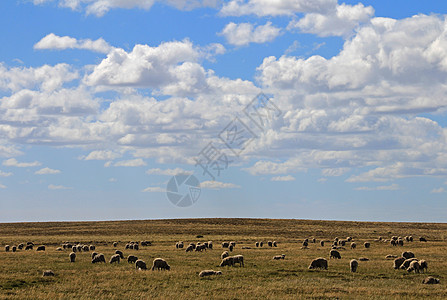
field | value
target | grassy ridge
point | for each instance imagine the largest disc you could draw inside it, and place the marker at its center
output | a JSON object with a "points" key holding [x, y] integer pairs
{"points": [[20, 272]]}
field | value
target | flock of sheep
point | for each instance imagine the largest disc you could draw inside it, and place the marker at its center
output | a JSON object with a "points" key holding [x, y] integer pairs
{"points": [[407, 261]]}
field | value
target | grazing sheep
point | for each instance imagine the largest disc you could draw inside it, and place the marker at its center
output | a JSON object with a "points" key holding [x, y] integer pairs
{"points": [[74, 248], [99, 258], [407, 262], [140, 265], [48, 273], [230, 248], [238, 259], [160, 264], [94, 254], [132, 259], [85, 248], [278, 257], [306, 240], [410, 238], [422, 239], [342, 243], [414, 266], [257, 244], [318, 263], [194, 245], [408, 254], [353, 245], [224, 254], [227, 261], [367, 245], [127, 246], [322, 243], [274, 244], [400, 243], [136, 247], [398, 262], [423, 265], [14, 248], [209, 273], [393, 243], [176, 245], [430, 280], [72, 256], [261, 244], [314, 240], [225, 244], [7, 248], [79, 248], [390, 256], [210, 245], [131, 246], [115, 258], [92, 247], [353, 264], [334, 254], [305, 243], [233, 244], [180, 245], [349, 239], [115, 244], [363, 259], [40, 248], [270, 244], [189, 248], [120, 253], [20, 246], [29, 247]]}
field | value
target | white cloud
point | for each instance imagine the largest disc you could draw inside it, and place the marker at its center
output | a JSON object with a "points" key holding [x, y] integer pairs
{"points": [[5, 174], [58, 187], [46, 171], [2, 186], [245, 33], [340, 22], [113, 179], [138, 162], [438, 190], [217, 185], [101, 155], [170, 172], [391, 187], [283, 178], [55, 42], [12, 162], [154, 189]]}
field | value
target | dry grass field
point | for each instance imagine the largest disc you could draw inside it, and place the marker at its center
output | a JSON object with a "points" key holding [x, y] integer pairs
{"points": [[261, 278]]}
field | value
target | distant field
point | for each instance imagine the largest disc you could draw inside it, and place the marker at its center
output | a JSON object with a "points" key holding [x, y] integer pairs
{"points": [[261, 278]]}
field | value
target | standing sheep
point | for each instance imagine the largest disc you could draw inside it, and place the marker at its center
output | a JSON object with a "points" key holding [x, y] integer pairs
{"points": [[14, 248], [353, 245], [334, 254], [210, 245], [7, 248], [318, 263], [408, 254], [414, 266], [224, 254], [20, 246], [132, 259], [278, 257], [140, 265], [190, 248], [160, 264], [29, 247], [120, 253], [238, 259], [322, 243], [230, 248], [407, 262], [40, 248], [72, 257], [422, 239], [257, 244], [94, 254], [261, 244], [92, 247], [423, 265], [227, 261], [398, 262], [274, 244], [305, 243], [353, 264], [225, 244], [115, 258], [367, 245], [85, 248], [269, 243], [115, 244], [98, 258]]}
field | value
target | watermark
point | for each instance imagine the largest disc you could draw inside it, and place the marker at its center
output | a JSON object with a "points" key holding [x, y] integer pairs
{"points": [[184, 190]]}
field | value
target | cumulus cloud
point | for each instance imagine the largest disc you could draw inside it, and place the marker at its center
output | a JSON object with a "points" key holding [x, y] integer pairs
{"points": [[101, 155], [2, 186], [5, 174], [46, 171], [391, 187], [55, 42], [138, 162], [170, 172], [283, 178], [58, 187], [245, 33], [217, 185], [154, 189], [438, 191], [340, 22], [12, 162]]}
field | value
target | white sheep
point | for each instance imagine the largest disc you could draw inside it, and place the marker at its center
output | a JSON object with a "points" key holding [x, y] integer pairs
{"points": [[353, 264], [160, 264]]}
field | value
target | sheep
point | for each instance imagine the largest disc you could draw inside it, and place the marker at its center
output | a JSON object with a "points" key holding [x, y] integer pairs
{"points": [[94, 254], [85, 248], [414, 266], [390, 256], [278, 257], [342, 243], [136, 247], [98, 258], [410, 238], [353, 264], [314, 240], [160, 264], [423, 265], [115, 244], [224, 254], [227, 261], [261, 244], [225, 244], [398, 262], [363, 259], [48, 273], [408, 254], [120, 253], [194, 245], [393, 243], [189, 248], [367, 245], [72, 256], [209, 273], [353, 245], [400, 243], [305, 243], [322, 243], [274, 244], [20, 246], [257, 244], [407, 262], [422, 239], [40, 248], [238, 259], [59, 249], [140, 265], [115, 258], [132, 259], [210, 245], [349, 239], [131, 246], [334, 254], [230, 248], [29, 247], [176, 245], [74, 248], [14, 248], [79, 248], [7, 248], [318, 263], [306, 240], [92, 247], [269, 243], [430, 280], [127, 246]]}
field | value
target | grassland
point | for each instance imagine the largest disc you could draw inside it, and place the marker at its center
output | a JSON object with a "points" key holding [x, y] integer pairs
{"points": [[262, 277]]}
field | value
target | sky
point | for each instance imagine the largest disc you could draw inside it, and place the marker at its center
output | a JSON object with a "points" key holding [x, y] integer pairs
{"points": [[280, 109]]}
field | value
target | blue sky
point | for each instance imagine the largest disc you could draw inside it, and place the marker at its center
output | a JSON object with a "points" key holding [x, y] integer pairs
{"points": [[103, 101]]}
